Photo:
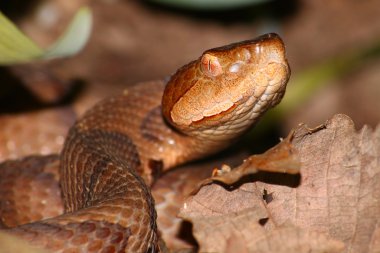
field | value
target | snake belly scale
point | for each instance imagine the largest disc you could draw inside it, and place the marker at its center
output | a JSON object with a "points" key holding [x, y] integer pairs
{"points": [[115, 151]]}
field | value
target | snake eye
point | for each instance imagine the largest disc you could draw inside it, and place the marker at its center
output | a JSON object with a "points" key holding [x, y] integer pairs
{"points": [[210, 65]]}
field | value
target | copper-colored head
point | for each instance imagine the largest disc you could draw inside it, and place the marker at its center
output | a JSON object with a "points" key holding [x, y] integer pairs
{"points": [[233, 83]]}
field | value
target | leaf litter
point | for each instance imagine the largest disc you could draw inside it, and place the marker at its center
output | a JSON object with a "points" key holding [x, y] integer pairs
{"points": [[316, 191]]}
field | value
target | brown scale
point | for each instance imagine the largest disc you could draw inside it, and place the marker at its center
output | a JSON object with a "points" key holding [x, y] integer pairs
{"points": [[118, 147], [29, 190]]}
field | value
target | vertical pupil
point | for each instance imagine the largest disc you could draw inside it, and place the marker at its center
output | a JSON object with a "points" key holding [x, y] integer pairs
{"points": [[211, 66]]}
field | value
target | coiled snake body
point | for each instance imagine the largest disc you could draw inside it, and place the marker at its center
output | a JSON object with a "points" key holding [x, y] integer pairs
{"points": [[120, 145]]}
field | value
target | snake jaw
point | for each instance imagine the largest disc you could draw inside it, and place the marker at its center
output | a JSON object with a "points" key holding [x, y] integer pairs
{"points": [[217, 109]]}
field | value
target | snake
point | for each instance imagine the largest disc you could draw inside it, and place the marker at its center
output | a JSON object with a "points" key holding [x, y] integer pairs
{"points": [[118, 148]]}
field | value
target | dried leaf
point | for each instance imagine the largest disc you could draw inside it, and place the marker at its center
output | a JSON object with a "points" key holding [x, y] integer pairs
{"points": [[215, 200], [340, 190], [46, 86], [242, 232], [282, 158], [336, 199]]}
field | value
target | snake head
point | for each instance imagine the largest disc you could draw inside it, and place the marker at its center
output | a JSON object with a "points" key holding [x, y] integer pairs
{"points": [[228, 88]]}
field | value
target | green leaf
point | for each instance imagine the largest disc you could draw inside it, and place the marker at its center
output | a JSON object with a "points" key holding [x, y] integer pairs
{"points": [[75, 37], [16, 47]]}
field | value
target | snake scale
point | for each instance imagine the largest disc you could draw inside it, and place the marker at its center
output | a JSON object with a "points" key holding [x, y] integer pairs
{"points": [[116, 150]]}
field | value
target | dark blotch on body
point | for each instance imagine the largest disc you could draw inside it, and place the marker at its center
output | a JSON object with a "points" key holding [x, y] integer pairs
{"points": [[149, 123], [156, 167]]}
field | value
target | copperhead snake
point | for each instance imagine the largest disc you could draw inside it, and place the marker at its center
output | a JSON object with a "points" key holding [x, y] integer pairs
{"points": [[115, 151]]}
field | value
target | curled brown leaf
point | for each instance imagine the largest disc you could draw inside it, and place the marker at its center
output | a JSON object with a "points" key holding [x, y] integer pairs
{"points": [[334, 207]]}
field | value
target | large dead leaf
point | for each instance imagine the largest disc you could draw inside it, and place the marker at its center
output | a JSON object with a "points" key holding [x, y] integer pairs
{"points": [[334, 207], [240, 232], [282, 158]]}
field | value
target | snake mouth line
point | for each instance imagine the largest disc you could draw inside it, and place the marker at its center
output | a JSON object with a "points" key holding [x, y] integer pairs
{"points": [[214, 118]]}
